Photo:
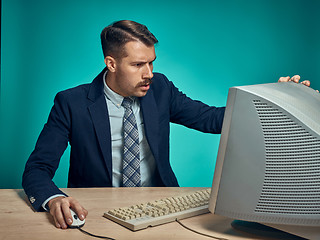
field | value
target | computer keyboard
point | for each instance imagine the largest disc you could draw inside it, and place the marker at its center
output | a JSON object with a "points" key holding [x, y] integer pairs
{"points": [[161, 211]]}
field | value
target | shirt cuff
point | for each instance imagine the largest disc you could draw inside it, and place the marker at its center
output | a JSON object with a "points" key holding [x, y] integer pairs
{"points": [[46, 201]]}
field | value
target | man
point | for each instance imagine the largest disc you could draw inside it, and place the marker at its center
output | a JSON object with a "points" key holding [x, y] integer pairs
{"points": [[90, 118]]}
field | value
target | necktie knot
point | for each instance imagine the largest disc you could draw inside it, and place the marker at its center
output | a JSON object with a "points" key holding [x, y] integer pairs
{"points": [[127, 102]]}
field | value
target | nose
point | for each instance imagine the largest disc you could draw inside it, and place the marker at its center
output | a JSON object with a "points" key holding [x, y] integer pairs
{"points": [[148, 71]]}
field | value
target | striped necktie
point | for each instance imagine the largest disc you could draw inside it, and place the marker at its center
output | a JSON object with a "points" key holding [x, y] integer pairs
{"points": [[131, 152]]}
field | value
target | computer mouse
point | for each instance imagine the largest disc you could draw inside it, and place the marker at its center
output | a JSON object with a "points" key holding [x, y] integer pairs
{"points": [[76, 221]]}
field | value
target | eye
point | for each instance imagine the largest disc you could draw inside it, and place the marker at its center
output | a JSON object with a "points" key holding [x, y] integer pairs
{"points": [[138, 64]]}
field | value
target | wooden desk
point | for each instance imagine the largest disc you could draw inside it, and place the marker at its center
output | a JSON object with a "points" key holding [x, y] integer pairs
{"points": [[19, 221]]}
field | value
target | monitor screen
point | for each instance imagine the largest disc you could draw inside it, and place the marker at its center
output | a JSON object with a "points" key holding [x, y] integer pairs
{"points": [[268, 164]]}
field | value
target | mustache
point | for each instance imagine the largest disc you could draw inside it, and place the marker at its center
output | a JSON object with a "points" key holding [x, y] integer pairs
{"points": [[145, 82]]}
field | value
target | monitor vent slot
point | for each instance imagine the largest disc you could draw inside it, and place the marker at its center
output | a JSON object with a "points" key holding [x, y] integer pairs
{"points": [[292, 177]]}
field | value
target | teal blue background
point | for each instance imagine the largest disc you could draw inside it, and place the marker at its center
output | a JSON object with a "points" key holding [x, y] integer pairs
{"points": [[204, 47]]}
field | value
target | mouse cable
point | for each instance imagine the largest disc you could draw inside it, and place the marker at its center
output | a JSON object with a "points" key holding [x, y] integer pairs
{"points": [[92, 235], [203, 234]]}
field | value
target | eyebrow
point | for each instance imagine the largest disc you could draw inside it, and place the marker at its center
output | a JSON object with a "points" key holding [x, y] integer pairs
{"points": [[135, 62]]}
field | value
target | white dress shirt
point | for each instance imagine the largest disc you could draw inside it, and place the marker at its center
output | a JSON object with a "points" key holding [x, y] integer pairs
{"points": [[116, 113]]}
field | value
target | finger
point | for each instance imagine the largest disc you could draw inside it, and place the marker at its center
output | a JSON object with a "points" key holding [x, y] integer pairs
{"points": [[54, 207], [295, 78], [306, 82], [80, 211], [56, 223], [284, 79], [66, 213], [58, 217]]}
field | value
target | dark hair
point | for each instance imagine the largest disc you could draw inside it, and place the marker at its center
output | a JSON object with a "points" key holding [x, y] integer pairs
{"points": [[116, 35]]}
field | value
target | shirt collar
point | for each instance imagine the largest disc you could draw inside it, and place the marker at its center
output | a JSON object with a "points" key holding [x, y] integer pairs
{"points": [[114, 97]]}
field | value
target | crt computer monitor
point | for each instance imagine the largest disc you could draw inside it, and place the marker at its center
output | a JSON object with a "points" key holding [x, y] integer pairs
{"points": [[268, 164]]}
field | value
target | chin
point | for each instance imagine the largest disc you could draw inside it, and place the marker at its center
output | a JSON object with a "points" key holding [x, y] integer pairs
{"points": [[141, 94]]}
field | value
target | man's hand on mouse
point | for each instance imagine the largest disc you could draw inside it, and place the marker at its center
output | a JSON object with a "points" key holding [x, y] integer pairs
{"points": [[60, 210]]}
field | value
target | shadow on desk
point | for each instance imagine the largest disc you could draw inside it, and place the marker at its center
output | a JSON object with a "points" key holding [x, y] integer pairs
{"points": [[214, 224], [22, 195]]}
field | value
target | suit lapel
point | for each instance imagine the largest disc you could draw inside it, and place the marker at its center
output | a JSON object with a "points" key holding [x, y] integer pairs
{"points": [[151, 124], [100, 118]]}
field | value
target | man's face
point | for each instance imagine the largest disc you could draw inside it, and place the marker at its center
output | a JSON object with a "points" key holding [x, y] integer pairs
{"points": [[134, 71]]}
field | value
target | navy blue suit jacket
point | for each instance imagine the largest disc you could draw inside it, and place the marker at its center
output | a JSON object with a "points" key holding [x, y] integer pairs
{"points": [[80, 117]]}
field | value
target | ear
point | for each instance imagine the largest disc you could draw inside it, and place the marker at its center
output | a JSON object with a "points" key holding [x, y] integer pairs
{"points": [[110, 63]]}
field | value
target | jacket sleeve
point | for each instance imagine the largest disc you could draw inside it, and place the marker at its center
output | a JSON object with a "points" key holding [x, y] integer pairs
{"points": [[44, 160], [194, 114]]}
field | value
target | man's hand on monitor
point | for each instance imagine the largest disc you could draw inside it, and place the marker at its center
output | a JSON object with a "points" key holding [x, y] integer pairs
{"points": [[60, 210], [295, 78]]}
